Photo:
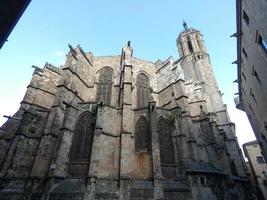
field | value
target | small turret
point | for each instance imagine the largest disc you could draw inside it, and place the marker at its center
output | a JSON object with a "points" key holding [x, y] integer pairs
{"points": [[127, 53]]}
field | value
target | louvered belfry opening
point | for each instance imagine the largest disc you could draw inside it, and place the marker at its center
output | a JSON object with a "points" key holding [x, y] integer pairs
{"points": [[104, 89], [143, 90], [81, 147], [142, 135]]}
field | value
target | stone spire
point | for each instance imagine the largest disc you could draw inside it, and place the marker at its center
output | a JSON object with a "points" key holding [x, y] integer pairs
{"points": [[127, 53]]}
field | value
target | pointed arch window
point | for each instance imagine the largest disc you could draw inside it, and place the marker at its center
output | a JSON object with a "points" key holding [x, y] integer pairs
{"points": [[81, 147], [104, 89], [142, 136], [189, 44], [143, 90], [165, 142]]}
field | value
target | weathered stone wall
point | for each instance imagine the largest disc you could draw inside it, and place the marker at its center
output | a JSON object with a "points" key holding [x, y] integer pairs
{"points": [[42, 88], [39, 141]]}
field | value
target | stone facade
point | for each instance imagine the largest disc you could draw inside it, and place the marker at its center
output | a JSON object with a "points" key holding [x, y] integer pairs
{"points": [[119, 127], [252, 61], [257, 167]]}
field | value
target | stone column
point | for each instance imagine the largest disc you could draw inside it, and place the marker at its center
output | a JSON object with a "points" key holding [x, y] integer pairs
{"points": [[189, 131], [126, 129], [45, 152], [157, 176], [65, 141], [93, 168], [179, 139]]}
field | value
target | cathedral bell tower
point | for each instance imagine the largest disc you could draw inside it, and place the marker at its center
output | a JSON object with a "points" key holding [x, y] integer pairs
{"points": [[197, 67], [193, 55]]}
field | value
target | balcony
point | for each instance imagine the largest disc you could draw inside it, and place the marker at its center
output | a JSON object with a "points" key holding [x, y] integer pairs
{"points": [[238, 103]]}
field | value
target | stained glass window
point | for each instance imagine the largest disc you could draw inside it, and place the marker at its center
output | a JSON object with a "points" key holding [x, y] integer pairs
{"points": [[143, 90], [81, 144], [142, 136], [104, 89], [165, 142]]}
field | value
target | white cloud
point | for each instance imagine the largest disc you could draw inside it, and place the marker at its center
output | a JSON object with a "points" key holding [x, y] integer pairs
{"points": [[58, 53], [58, 57]]}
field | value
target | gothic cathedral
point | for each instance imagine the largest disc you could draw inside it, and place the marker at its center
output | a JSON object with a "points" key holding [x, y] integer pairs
{"points": [[120, 127]]}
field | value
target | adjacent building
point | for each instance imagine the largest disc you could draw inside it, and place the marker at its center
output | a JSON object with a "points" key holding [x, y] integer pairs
{"points": [[252, 66], [11, 12], [121, 127], [257, 167]]}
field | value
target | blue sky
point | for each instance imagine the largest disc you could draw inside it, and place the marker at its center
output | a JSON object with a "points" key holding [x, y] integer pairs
{"points": [[103, 27]]}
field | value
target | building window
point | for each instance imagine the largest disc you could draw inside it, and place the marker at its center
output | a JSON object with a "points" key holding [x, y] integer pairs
{"points": [[253, 96], [243, 91], [261, 41], [202, 181], [254, 73], [142, 136], [245, 17], [245, 53], [81, 147], [260, 159], [244, 76], [165, 142], [104, 89], [143, 90]]}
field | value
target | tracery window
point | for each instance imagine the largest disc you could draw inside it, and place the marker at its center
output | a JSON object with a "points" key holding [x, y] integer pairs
{"points": [[81, 145], [142, 136], [104, 89], [165, 142], [143, 90]]}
